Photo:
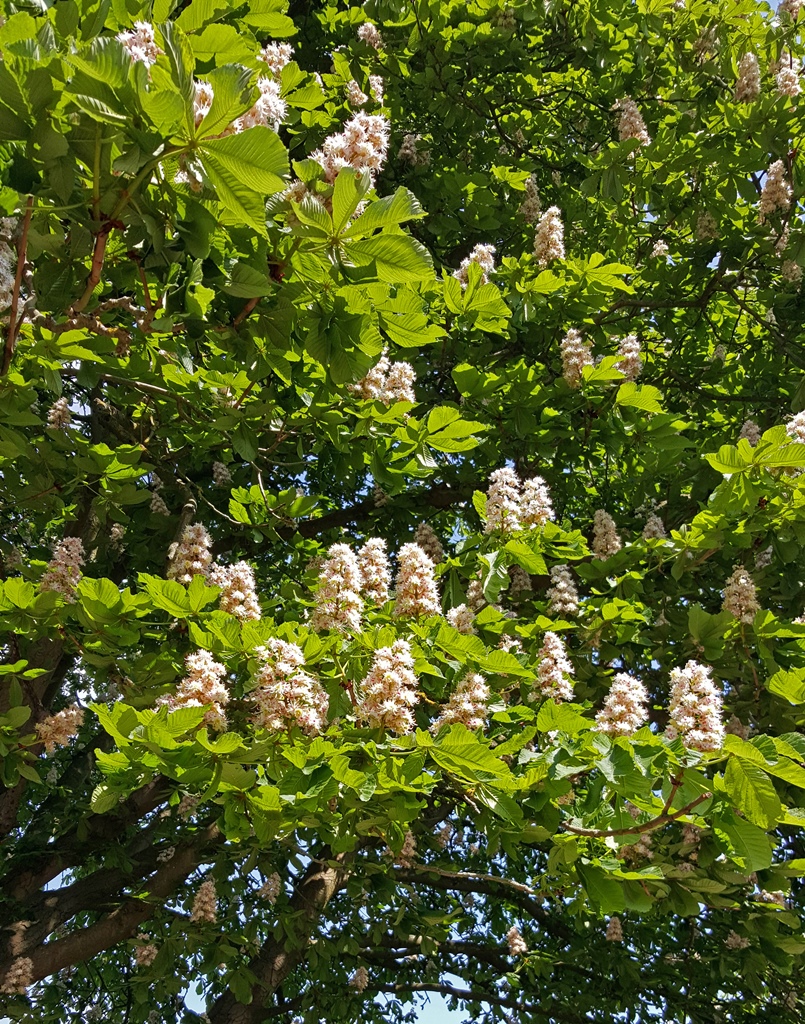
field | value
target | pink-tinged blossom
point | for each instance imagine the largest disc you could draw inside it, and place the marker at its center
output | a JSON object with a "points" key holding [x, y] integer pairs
{"points": [[373, 563], [202, 685], [270, 889], [503, 501], [563, 598], [467, 704], [205, 903], [606, 541], [654, 528], [158, 506], [377, 88], [389, 691], [515, 941], [415, 590], [285, 694], [695, 708], [535, 505], [531, 206], [549, 240], [145, 954], [238, 590], [791, 272], [57, 730], [410, 152], [520, 580], [425, 537], [59, 415], [747, 86], [736, 941], [791, 8], [625, 708], [776, 193], [576, 354], [740, 596], [482, 256], [64, 569], [363, 144], [276, 56], [750, 432], [630, 122], [406, 858], [370, 34], [338, 600], [554, 671], [629, 362], [706, 227], [193, 556], [141, 43], [462, 618], [387, 382], [787, 77]]}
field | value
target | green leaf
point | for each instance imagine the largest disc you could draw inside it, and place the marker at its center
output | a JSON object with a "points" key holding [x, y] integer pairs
{"points": [[728, 460], [396, 258], [639, 396], [349, 189], [531, 561], [245, 168], [388, 212], [555, 717], [753, 792], [789, 684], [604, 891], [168, 595], [461, 753]]}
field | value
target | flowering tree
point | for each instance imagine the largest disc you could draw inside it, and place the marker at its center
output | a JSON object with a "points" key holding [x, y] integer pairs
{"points": [[401, 452]]}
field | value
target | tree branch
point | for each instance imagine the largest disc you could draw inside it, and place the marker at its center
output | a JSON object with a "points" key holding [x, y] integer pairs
{"points": [[13, 322]]}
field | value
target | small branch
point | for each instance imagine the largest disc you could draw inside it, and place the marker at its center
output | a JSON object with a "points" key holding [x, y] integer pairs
{"points": [[13, 323], [649, 826], [247, 309]]}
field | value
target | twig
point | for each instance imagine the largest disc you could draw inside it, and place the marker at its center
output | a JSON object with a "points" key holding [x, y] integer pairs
{"points": [[13, 323], [649, 826]]}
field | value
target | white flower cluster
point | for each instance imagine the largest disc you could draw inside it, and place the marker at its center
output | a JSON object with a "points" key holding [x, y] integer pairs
{"points": [[625, 708], [57, 730], [202, 685], [736, 941], [271, 888], [359, 979], [791, 8], [515, 941], [205, 903], [629, 362], [59, 415], [141, 43], [512, 506], [614, 932], [192, 557], [484, 257], [563, 598], [388, 692], [426, 538], [576, 354], [740, 596], [776, 193], [791, 272], [747, 86], [158, 506], [554, 671], [467, 704], [531, 206], [695, 708], [8, 263], [387, 382], [750, 432], [203, 96], [549, 240], [276, 56], [356, 97], [659, 249], [19, 977], [370, 34], [706, 227], [64, 569], [410, 152], [363, 144], [795, 428], [520, 580], [377, 87], [654, 528], [373, 565], [461, 618], [286, 695], [406, 858], [415, 590], [630, 122], [269, 109], [606, 541], [145, 954], [221, 476], [338, 600], [238, 590]]}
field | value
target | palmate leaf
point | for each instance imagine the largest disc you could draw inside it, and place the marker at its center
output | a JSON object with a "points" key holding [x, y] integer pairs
{"points": [[397, 259], [244, 169]]}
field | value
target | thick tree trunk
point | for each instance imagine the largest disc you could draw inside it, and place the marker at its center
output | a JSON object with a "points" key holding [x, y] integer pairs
{"points": [[276, 960]]}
